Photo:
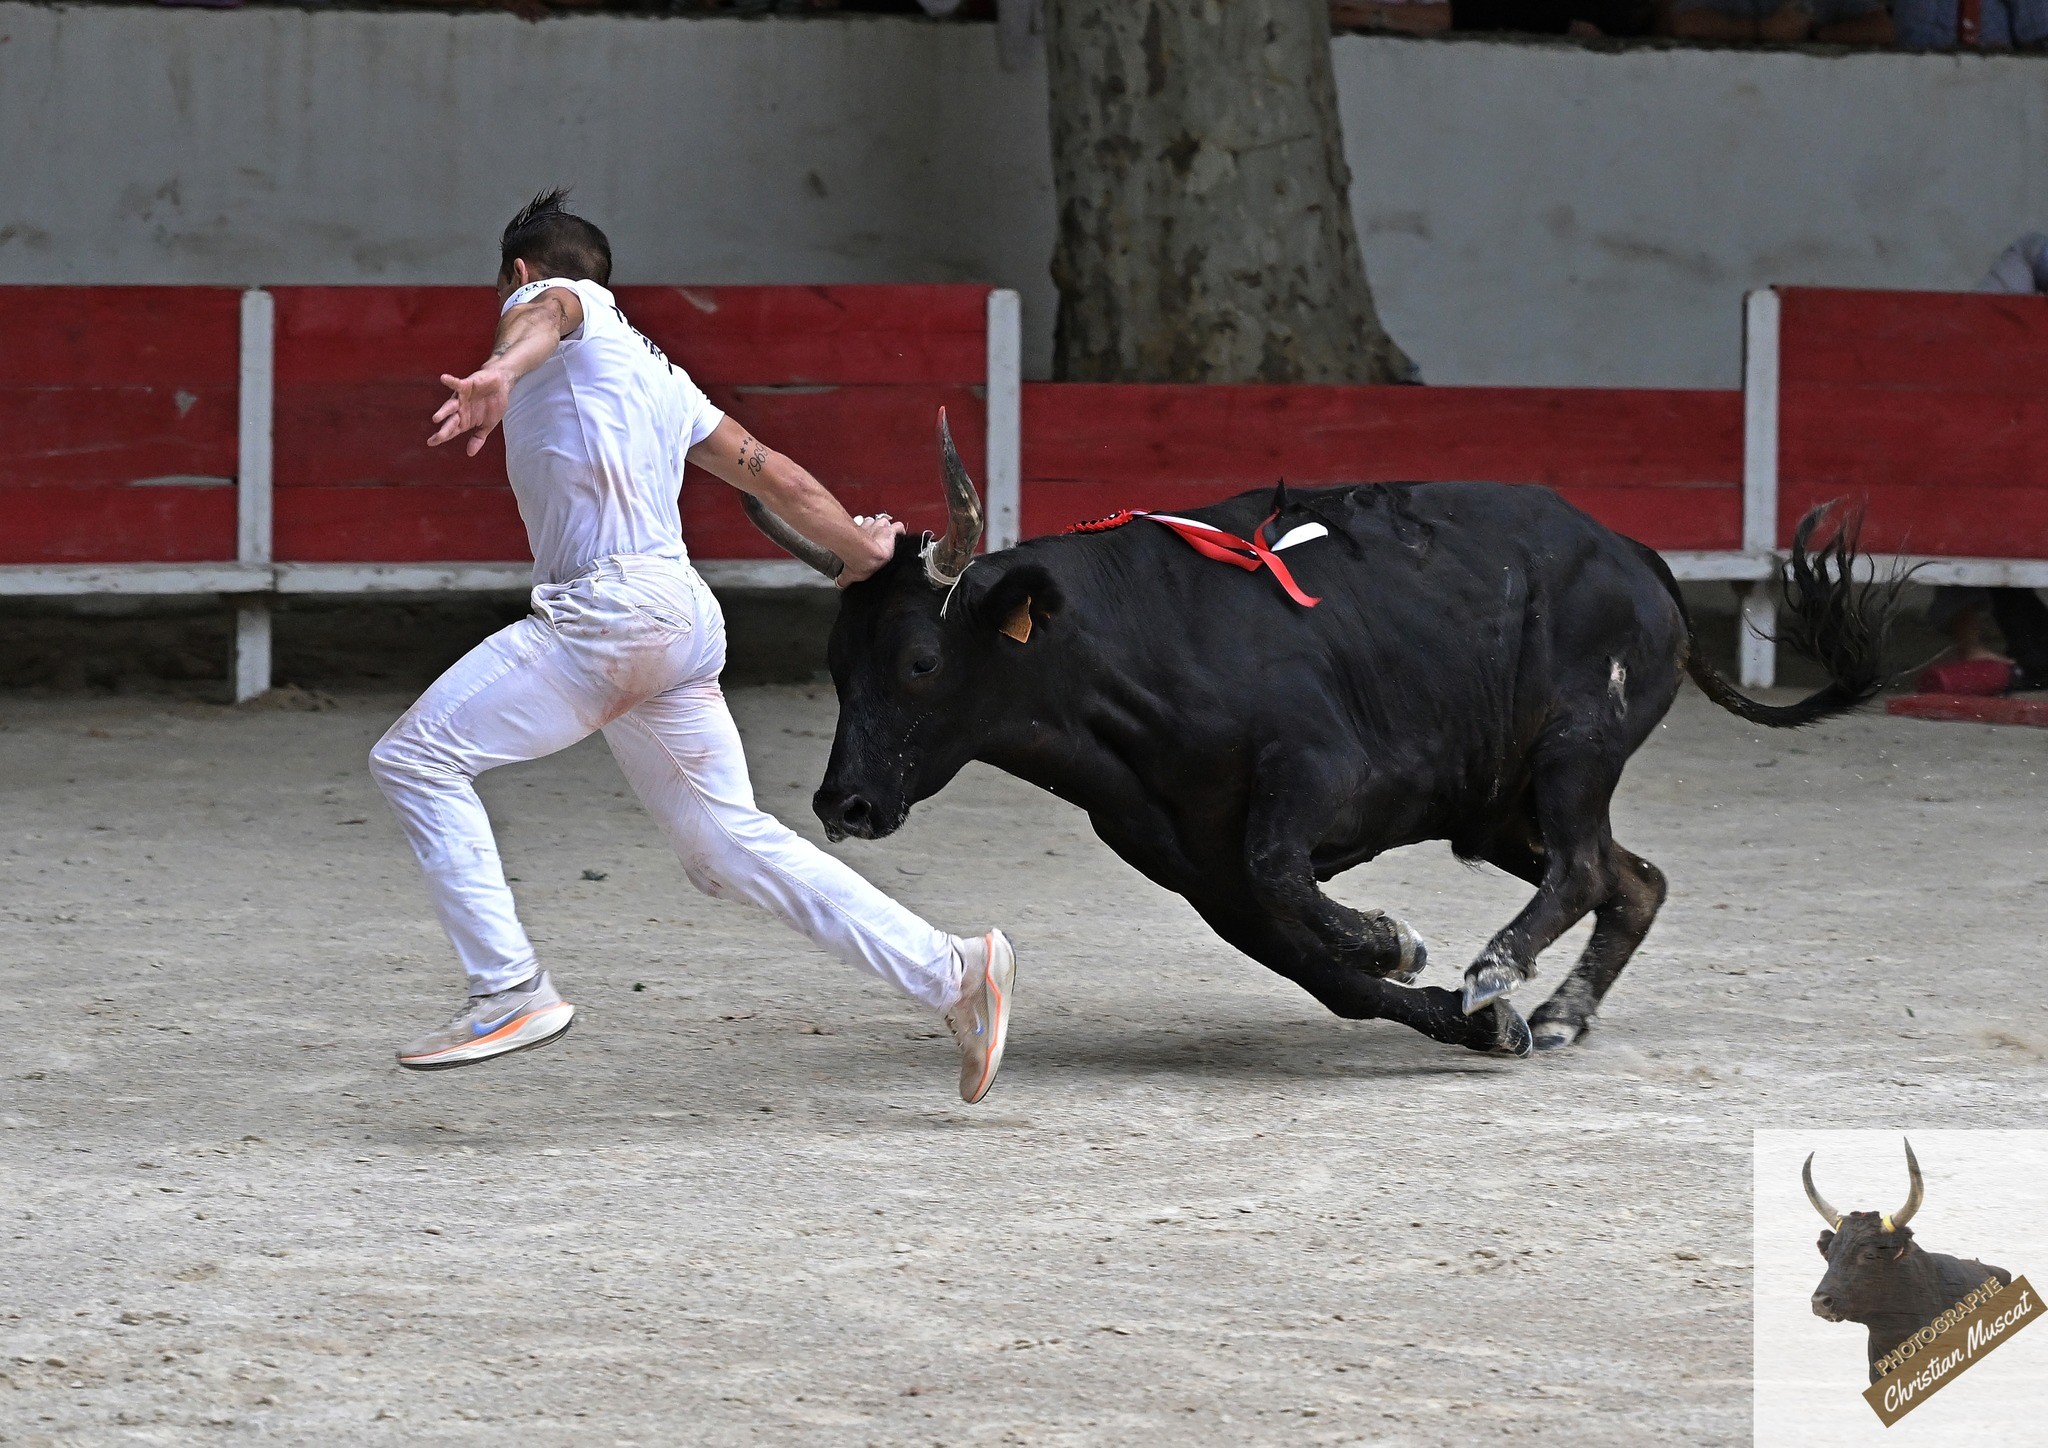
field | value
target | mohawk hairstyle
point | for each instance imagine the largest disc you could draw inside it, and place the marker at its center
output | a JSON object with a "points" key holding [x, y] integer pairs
{"points": [[554, 243]]}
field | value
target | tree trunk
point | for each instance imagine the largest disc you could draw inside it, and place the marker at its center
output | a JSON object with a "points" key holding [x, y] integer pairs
{"points": [[1205, 229]]}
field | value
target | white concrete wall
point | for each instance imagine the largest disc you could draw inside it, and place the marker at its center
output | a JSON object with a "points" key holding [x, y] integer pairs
{"points": [[1553, 214], [285, 145], [1533, 213]]}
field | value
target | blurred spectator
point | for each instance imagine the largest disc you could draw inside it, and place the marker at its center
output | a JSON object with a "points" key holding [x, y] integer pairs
{"points": [[1783, 22], [1557, 17], [1971, 24], [2020, 268], [1411, 17], [2019, 613]]}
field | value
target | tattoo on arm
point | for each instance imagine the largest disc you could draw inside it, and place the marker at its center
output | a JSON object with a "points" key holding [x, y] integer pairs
{"points": [[549, 304], [752, 460]]}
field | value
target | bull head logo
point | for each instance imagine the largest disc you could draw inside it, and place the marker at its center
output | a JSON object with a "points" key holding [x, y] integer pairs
{"points": [[1880, 1277], [1874, 1271]]}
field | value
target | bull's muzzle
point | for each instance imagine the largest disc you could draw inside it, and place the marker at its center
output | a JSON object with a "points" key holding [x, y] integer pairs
{"points": [[845, 812], [1824, 1306]]}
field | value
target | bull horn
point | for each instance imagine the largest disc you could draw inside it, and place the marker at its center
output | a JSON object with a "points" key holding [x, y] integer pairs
{"points": [[789, 540], [946, 559], [1918, 1190], [1820, 1203]]}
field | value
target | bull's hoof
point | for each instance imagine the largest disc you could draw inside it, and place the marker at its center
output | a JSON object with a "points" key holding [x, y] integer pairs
{"points": [[1415, 960], [1389, 950], [1488, 983], [1556, 1032], [1508, 1035], [1562, 1021]]}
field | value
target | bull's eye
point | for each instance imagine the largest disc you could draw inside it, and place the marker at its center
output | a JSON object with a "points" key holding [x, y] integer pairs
{"points": [[922, 665]]}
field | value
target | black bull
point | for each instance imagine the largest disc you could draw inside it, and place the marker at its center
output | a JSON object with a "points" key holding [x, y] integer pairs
{"points": [[1484, 660], [1879, 1277]]}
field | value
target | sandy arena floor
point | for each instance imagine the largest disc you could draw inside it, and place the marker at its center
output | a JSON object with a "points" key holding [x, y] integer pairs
{"points": [[740, 1204]]}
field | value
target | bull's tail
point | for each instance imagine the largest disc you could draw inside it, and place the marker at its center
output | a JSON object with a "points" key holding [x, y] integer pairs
{"points": [[1830, 620]]}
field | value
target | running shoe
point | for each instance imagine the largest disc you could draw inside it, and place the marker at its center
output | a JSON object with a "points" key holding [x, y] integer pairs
{"points": [[493, 1025], [980, 1019]]}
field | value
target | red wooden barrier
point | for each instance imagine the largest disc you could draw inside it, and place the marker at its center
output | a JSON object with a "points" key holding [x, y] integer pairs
{"points": [[1661, 466], [357, 380], [117, 424], [1929, 406], [845, 379], [120, 440]]}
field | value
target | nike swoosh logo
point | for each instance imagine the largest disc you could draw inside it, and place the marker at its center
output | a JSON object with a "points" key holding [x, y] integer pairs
{"points": [[484, 1028]]}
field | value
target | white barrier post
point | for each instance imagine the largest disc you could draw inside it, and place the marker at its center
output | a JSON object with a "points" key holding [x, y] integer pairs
{"points": [[1005, 461], [1757, 650], [252, 488]]}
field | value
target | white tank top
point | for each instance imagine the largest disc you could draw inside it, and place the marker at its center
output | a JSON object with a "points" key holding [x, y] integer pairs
{"points": [[595, 438]]}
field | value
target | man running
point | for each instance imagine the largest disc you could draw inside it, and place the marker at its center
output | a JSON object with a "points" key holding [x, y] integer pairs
{"points": [[625, 637]]}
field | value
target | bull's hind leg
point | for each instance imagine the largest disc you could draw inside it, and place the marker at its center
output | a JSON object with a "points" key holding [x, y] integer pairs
{"points": [[1619, 924], [1569, 855]]}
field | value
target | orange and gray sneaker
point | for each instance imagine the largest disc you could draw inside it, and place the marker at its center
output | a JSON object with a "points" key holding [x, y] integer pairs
{"points": [[980, 1019], [493, 1025]]}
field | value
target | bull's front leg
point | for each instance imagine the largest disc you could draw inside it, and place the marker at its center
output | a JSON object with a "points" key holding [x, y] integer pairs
{"points": [[1293, 804], [1284, 947], [1359, 964]]}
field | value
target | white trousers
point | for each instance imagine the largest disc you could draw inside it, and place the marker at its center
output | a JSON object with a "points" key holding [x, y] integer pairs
{"points": [[634, 648]]}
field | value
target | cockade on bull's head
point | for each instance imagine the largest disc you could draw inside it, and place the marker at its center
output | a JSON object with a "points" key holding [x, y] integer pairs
{"points": [[1880, 1278]]}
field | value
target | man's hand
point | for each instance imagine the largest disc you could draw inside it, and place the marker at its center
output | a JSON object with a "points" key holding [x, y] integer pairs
{"points": [[527, 336], [862, 544], [879, 533], [478, 406]]}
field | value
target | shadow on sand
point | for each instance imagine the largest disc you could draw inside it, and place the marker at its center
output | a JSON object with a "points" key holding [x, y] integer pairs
{"points": [[1278, 1050]]}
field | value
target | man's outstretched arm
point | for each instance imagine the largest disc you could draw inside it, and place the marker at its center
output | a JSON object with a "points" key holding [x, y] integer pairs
{"points": [[527, 336], [799, 499]]}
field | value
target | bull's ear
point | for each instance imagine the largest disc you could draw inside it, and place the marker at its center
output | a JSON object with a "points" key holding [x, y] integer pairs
{"points": [[1827, 1240], [1018, 625], [1017, 602]]}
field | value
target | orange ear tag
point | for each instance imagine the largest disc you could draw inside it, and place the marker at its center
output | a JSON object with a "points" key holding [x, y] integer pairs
{"points": [[1018, 624]]}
